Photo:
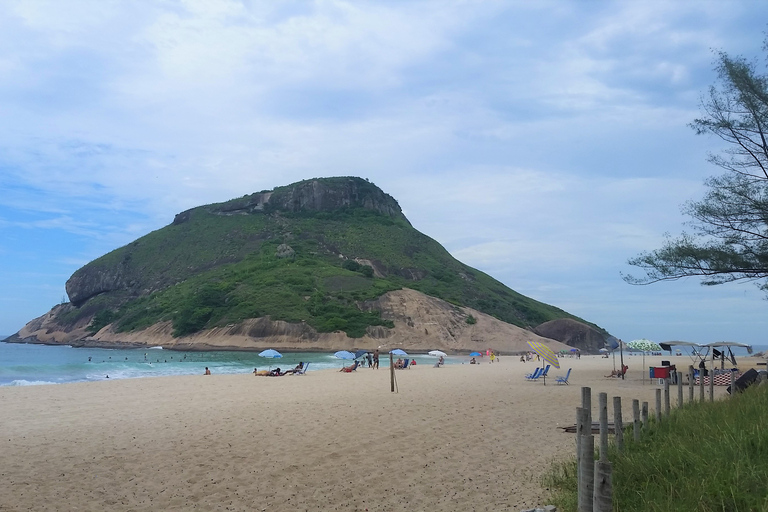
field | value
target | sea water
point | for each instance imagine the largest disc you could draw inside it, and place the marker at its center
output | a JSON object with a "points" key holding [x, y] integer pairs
{"points": [[30, 364]]}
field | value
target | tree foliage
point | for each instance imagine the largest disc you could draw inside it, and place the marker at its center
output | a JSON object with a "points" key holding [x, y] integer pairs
{"points": [[729, 227]]}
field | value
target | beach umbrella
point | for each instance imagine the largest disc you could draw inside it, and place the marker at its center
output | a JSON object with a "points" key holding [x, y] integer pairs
{"points": [[475, 354], [437, 353], [344, 354], [270, 353], [644, 345], [398, 352], [360, 353], [545, 352], [603, 350]]}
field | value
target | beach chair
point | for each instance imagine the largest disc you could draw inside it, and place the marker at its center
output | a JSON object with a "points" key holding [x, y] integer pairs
{"points": [[535, 374], [302, 371], [542, 373], [406, 362], [563, 380]]}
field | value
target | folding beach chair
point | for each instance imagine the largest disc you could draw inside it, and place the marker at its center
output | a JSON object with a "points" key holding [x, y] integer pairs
{"points": [[302, 371], [535, 375], [563, 380]]}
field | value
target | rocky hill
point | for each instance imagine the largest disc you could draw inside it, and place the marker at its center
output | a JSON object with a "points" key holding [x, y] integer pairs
{"points": [[319, 264]]}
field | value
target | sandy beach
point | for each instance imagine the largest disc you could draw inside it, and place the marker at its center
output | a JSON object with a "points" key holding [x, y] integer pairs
{"points": [[461, 437]]}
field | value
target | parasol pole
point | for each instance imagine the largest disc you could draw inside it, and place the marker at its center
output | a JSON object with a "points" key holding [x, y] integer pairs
{"points": [[621, 347]]}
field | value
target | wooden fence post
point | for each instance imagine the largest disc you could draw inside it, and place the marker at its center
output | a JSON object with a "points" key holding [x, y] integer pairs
{"points": [[666, 398], [658, 405], [587, 468], [644, 414], [712, 384], [636, 418], [603, 489], [602, 401], [691, 382], [701, 385], [679, 376], [586, 403], [733, 383], [618, 423]]}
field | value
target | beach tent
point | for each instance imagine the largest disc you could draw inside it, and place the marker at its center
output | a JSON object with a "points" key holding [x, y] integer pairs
{"points": [[725, 346], [695, 354]]}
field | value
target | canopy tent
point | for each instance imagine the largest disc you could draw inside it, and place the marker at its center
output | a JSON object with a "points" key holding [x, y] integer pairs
{"points": [[695, 355], [725, 346]]}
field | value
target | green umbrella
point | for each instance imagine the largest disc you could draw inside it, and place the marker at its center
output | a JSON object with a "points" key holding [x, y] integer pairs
{"points": [[644, 345]]}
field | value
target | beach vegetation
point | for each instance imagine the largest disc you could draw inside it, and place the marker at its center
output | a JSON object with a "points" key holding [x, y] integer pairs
{"points": [[728, 240], [706, 456]]}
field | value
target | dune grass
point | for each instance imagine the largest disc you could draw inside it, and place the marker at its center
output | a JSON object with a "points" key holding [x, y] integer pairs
{"points": [[705, 456]]}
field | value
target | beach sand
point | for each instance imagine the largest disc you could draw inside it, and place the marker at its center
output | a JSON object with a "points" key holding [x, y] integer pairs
{"points": [[461, 437]]}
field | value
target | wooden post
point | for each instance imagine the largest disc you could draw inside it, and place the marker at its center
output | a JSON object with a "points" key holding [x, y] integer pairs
{"points": [[666, 398], [701, 384], [602, 500], [602, 400], [733, 383], [586, 478], [636, 418], [691, 382], [582, 430], [679, 376], [644, 414], [586, 403], [658, 405], [392, 372], [618, 423], [712, 376]]}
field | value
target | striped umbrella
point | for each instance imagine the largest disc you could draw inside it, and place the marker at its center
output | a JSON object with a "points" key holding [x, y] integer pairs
{"points": [[545, 352]]}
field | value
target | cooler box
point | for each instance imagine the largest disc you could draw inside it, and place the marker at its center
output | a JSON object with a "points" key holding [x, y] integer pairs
{"points": [[660, 372]]}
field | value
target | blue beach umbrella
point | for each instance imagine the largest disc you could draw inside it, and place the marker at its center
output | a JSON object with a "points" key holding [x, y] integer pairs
{"points": [[344, 354], [398, 352], [270, 353], [475, 354], [360, 353]]}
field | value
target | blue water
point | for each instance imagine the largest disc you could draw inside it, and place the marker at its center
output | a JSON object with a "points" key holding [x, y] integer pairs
{"points": [[28, 364]]}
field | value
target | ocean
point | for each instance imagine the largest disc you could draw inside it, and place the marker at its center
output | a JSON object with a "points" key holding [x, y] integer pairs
{"points": [[30, 364]]}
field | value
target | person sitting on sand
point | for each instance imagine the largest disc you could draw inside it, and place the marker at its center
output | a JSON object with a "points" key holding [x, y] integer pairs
{"points": [[207, 371], [351, 368], [440, 362], [473, 361], [399, 364], [262, 373]]}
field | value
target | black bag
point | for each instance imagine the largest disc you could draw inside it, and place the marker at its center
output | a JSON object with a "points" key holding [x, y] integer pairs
{"points": [[746, 380]]}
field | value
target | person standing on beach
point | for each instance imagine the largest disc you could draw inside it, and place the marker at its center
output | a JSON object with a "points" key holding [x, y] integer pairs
{"points": [[376, 359]]}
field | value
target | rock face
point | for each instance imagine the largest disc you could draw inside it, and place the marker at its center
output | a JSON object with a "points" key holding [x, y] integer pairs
{"points": [[422, 323], [574, 334]]}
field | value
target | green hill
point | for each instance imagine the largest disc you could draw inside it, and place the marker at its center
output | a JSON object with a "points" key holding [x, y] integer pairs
{"points": [[308, 252]]}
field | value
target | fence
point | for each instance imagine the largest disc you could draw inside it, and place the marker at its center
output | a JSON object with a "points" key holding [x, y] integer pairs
{"points": [[595, 490]]}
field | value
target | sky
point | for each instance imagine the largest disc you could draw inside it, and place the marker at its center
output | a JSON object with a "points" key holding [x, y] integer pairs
{"points": [[544, 143]]}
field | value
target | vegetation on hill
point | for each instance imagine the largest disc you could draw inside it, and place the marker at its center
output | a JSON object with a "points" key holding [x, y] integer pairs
{"points": [[216, 268]]}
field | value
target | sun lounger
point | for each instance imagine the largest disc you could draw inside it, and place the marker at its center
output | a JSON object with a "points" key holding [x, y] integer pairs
{"points": [[303, 370], [563, 380]]}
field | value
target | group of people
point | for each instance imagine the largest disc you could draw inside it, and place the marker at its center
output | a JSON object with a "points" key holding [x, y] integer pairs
{"points": [[404, 363], [277, 372]]}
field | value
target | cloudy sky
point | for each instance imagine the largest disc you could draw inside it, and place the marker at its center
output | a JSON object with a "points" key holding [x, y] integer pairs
{"points": [[544, 142]]}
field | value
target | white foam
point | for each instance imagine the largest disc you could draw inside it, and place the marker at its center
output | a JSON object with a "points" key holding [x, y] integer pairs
{"points": [[28, 383]]}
